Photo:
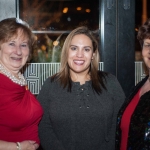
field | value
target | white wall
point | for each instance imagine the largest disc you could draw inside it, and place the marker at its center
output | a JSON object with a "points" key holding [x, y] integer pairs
{"points": [[7, 9]]}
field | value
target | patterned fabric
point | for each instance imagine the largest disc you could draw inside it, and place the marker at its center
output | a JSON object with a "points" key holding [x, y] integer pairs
{"points": [[139, 130]]}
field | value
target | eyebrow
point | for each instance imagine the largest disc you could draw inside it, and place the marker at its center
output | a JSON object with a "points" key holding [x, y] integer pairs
{"points": [[84, 46], [146, 42], [25, 41]]}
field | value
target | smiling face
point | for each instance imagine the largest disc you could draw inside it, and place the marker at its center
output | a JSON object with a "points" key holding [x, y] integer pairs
{"points": [[80, 54], [146, 52], [15, 52]]}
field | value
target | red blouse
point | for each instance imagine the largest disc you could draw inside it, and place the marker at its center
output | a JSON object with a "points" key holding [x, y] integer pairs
{"points": [[20, 112], [125, 121]]}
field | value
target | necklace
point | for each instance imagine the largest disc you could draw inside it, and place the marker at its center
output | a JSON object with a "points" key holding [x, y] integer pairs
{"points": [[21, 81]]}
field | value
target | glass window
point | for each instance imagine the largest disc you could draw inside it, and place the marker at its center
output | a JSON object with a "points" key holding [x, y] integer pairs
{"points": [[52, 20]]}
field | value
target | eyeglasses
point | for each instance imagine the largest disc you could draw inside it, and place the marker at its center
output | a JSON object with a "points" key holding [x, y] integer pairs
{"points": [[146, 46]]}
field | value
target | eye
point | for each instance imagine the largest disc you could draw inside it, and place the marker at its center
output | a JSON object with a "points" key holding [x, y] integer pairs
{"points": [[87, 49], [24, 45], [12, 44], [147, 45], [73, 48]]}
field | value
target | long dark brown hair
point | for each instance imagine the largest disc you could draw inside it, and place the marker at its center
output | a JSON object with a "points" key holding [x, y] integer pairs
{"points": [[64, 74]]}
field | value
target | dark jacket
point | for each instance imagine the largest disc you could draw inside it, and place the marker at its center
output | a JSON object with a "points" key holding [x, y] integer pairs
{"points": [[80, 119], [139, 129]]}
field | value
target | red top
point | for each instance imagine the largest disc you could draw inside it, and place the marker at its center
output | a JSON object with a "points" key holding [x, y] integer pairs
{"points": [[20, 112], [125, 121]]}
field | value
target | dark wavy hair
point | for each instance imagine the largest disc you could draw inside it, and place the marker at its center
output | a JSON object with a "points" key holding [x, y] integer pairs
{"points": [[144, 33]]}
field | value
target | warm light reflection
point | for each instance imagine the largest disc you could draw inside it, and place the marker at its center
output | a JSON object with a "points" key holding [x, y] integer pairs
{"points": [[55, 43], [136, 29], [88, 10], [79, 8], [35, 38], [65, 10], [43, 47]]}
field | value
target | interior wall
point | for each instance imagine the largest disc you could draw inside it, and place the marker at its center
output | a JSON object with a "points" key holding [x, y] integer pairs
{"points": [[7, 9]]}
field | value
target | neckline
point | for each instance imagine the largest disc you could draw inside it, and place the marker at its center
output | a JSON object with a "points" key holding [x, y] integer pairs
{"points": [[78, 83], [21, 81]]}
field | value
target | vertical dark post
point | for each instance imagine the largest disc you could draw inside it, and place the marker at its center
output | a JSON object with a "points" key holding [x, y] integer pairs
{"points": [[117, 40], [125, 44], [108, 35]]}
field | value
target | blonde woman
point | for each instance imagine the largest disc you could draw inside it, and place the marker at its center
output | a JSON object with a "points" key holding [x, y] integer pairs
{"points": [[20, 112]]}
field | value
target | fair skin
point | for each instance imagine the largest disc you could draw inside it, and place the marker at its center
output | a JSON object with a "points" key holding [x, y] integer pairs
{"points": [[14, 53], [25, 145], [80, 56], [146, 58], [13, 56]]}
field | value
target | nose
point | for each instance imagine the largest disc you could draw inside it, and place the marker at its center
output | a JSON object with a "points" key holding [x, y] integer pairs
{"points": [[79, 53], [18, 50]]}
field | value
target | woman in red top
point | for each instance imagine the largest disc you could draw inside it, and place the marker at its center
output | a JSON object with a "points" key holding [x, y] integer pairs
{"points": [[133, 126], [20, 112]]}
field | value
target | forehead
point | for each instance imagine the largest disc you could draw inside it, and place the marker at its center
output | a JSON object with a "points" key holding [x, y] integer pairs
{"points": [[81, 38], [20, 35], [146, 40]]}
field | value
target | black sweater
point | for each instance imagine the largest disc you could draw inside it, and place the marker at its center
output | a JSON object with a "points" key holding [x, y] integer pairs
{"points": [[82, 119]]}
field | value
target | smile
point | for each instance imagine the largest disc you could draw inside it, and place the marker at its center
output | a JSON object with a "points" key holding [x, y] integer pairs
{"points": [[79, 62], [14, 58]]}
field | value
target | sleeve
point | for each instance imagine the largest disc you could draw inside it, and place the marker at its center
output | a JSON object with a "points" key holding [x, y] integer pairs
{"points": [[117, 92], [48, 139], [118, 96]]}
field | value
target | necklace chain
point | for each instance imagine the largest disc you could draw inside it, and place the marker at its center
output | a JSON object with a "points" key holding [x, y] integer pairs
{"points": [[21, 81]]}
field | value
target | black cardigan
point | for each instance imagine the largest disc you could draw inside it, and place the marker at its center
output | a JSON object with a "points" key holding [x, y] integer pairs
{"points": [[82, 119]]}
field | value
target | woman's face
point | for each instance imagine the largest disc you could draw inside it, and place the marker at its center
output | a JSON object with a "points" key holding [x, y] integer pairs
{"points": [[80, 54], [146, 52], [14, 53]]}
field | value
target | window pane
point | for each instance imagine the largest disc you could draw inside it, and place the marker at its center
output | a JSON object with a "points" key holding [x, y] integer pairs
{"points": [[52, 20], [59, 14]]}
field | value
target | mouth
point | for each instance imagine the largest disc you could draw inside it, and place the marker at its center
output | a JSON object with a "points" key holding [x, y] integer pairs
{"points": [[79, 62], [15, 58]]}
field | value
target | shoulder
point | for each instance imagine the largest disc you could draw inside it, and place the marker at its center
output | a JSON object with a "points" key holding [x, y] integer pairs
{"points": [[112, 84], [107, 76], [49, 83]]}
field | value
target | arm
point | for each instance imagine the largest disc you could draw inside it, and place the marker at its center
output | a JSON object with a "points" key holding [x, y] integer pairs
{"points": [[4, 145], [48, 138], [118, 96]]}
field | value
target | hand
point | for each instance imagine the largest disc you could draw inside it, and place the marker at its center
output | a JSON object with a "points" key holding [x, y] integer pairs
{"points": [[29, 145]]}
